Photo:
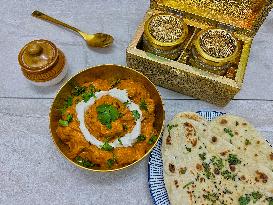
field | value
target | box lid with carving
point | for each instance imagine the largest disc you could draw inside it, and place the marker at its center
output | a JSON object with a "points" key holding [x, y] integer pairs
{"points": [[242, 16]]}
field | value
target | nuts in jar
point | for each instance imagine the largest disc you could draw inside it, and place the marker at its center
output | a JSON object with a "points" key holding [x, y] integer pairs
{"points": [[164, 35]]}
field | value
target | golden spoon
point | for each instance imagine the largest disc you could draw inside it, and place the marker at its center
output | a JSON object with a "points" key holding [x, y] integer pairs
{"points": [[93, 40]]}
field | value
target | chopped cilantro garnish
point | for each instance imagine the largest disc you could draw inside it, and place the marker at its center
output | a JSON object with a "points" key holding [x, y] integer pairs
{"points": [[244, 200], [63, 123], [125, 127], [110, 162], [247, 142], [229, 131], [69, 101], [143, 105], [171, 127], [127, 103], [183, 170], [188, 184], [115, 83], [107, 114], [202, 156], [93, 89], [141, 138], [77, 91], [136, 114], [83, 162], [87, 96], [207, 171], [270, 200], [152, 139], [107, 147], [256, 196], [213, 197], [233, 160], [120, 142], [69, 118], [228, 175], [62, 110], [217, 162]]}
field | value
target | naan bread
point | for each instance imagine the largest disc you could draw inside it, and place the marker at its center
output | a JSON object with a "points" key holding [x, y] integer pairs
{"points": [[224, 161]]}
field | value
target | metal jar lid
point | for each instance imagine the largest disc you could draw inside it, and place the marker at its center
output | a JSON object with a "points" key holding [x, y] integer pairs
{"points": [[165, 31], [41, 61], [217, 45]]}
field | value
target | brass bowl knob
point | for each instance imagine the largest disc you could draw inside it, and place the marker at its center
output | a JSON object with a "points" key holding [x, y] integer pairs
{"points": [[34, 49]]}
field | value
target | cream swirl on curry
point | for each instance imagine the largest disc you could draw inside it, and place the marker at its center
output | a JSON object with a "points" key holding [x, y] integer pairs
{"points": [[125, 141]]}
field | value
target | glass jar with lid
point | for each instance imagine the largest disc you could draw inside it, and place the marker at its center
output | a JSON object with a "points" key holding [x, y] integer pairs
{"points": [[164, 35], [215, 50]]}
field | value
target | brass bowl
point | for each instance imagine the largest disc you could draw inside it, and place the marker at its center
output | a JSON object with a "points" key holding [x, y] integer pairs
{"points": [[109, 72]]}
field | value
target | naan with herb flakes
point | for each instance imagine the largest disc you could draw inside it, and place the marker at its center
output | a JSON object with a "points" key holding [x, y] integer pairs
{"points": [[225, 161]]}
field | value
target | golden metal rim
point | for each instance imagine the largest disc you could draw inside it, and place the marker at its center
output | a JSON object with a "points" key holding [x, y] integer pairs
{"points": [[108, 170], [201, 63], [222, 61], [162, 45], [170, 54], [27, 68], [206, 61]]}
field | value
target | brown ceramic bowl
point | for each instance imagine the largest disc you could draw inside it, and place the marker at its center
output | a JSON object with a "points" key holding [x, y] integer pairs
{"points": [[109, 72]]}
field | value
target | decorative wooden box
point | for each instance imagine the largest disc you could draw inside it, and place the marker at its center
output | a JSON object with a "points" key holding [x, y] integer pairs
{"points": [[242, 18]]}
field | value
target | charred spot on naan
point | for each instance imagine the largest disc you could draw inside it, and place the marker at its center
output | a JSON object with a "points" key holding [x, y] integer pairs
{"points": [[216, 171], [223, 121], [199, 167], [271, 156], [261, 177], [232, 168], [176, 183], [242, 177], [214, 139], [190, 133], [171, 168], [169, 140], [191, 116]]}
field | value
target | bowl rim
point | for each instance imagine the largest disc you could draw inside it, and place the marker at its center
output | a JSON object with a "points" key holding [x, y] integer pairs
{"points": [[106, 170]]}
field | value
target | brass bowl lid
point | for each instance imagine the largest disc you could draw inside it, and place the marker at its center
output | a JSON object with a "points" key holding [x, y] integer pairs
{"points": [[165, 31], [217, 45], [38, 56]]}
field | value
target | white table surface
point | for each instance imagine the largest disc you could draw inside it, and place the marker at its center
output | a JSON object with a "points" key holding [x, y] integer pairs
{"points": [[31, 169]]}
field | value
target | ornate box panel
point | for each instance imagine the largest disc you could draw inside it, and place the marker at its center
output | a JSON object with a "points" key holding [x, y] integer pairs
{"points": [[181, 76]]}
